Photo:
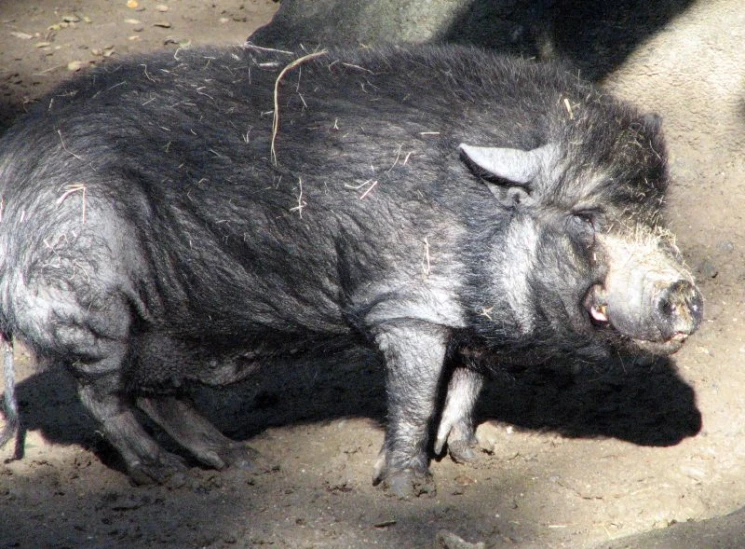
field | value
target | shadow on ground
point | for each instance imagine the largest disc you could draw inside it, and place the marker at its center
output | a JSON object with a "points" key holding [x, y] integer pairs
{"points": [[647, 405], [9, 111]]}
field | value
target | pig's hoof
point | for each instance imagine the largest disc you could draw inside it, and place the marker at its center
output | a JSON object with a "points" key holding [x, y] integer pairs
{"points": [[242, 456], [167, 469], [462, 451], [408, 483]]}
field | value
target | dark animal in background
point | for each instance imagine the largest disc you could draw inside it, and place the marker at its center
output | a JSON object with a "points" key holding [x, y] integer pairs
{"points": [[448, 207]]}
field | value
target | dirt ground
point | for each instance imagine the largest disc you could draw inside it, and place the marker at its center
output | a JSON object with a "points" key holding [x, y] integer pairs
{"points": [[572, 457]]}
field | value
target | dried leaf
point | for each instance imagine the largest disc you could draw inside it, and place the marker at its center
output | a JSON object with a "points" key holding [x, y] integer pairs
{"points": [[162, 24], [22, 35], [74, 66], [181, 43], [133, 4]]}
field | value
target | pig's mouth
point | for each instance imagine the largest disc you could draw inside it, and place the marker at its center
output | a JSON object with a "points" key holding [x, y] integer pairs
{"points": [[596, 305], [600, 318]]}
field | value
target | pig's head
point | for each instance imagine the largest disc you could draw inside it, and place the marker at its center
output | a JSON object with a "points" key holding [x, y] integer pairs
{"points": [[584, 258]]}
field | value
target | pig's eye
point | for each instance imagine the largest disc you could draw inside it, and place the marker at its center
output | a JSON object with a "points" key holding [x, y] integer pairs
{"points": [[586, 217], [584, 226]]}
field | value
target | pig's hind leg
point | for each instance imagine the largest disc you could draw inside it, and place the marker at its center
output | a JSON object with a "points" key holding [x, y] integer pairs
{"points": [[74, 301], [161, 365], [97, 349], [146, 462], [177, 417]]}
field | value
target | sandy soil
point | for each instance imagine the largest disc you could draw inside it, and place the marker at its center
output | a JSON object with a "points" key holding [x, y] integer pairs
{"points": [[573, 457]]}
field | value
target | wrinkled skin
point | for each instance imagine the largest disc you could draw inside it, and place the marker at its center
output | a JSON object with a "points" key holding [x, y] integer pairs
{"points": [[440, 205]]}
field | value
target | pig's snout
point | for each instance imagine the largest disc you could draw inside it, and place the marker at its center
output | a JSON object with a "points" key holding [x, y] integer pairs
{"points": [[654, 310], [679, 310]]}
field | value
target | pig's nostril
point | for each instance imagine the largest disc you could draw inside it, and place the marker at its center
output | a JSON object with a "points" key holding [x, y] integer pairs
{"points": [[665, 306], [681, 307], [674, 296]]}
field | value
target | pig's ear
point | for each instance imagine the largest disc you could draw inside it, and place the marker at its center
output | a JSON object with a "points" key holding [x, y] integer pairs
{"points": [[513, 169]]}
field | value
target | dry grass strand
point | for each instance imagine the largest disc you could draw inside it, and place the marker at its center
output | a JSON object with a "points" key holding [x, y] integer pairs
{"points": [[275, 122], [70, 189]]}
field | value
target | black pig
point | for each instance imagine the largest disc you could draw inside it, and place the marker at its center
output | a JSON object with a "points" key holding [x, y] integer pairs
{"points": [[189, 217]]}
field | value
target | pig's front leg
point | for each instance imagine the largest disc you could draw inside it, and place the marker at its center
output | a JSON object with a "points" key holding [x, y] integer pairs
{"points": [[414, 353], [456, 426]]}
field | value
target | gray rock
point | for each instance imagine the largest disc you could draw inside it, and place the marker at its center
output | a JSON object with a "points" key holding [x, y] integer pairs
{"points": [[716, 533], [448, 540], [586, 34]]}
